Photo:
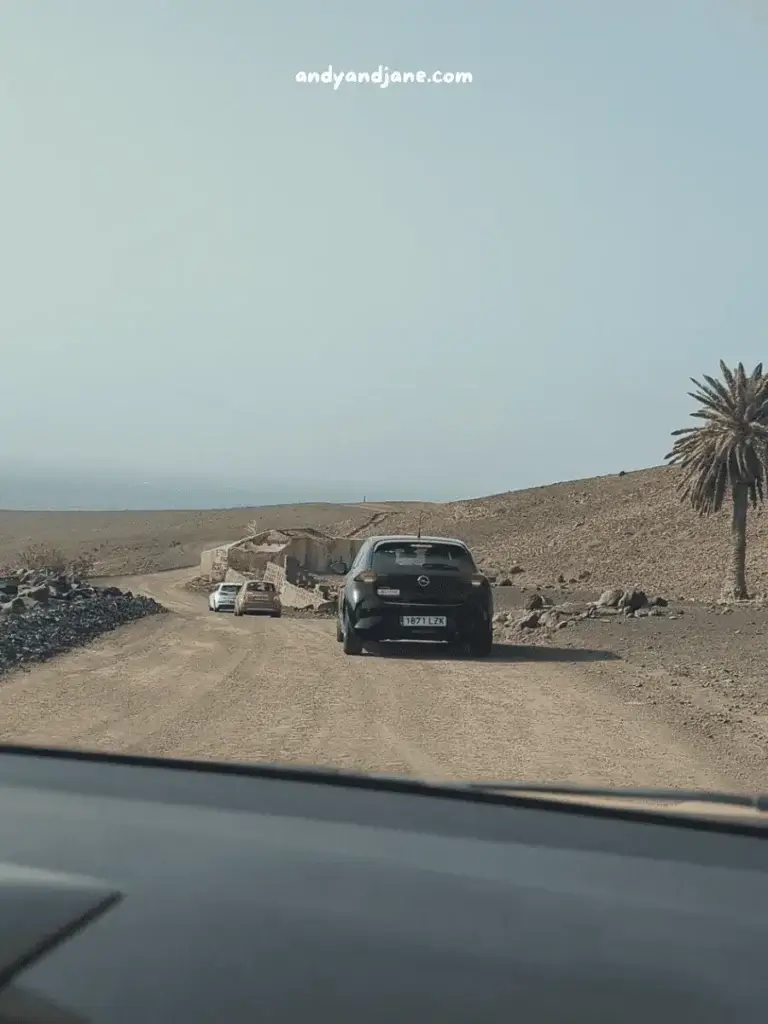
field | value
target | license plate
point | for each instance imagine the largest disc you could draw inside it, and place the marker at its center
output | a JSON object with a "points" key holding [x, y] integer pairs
{"points": [[422, 620]]}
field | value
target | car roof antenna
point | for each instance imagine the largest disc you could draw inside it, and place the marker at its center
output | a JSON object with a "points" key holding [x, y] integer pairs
{"points": [[419, 533]]}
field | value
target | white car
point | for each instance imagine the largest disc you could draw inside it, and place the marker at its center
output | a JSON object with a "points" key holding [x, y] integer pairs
{"points": [[223, 597]]}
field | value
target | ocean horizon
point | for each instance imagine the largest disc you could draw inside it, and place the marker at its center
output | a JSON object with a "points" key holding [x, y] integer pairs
{"points": [[94, 493]]}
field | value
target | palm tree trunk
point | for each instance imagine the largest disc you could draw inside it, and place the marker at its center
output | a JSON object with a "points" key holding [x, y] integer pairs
{"points": [[735, 587]]}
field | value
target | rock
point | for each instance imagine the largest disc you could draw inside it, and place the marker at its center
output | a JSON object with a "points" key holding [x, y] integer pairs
{"points": [[501, 618], [633, 599], [659, 602], [325, 608], [549, 618], [656, 610], [505, 582], [561, 578], [529, 621], [52, 614], [533, 602], [573, 607], [610, 598], [516, 570]]}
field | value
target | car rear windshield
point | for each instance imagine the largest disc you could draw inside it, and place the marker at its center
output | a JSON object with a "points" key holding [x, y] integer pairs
{"points": [[399, 556], [229, 588], [261, 587]]}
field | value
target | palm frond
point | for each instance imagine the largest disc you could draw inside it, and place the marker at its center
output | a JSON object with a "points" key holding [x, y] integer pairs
{"points": [[731, 445]]}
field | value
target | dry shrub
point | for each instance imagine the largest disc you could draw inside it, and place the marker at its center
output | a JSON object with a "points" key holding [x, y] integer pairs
{"points": [[48, 556], [42, 556], [81, 566]]}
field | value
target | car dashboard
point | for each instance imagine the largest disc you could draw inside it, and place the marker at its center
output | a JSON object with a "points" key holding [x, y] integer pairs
{"points": [[200, 892]]}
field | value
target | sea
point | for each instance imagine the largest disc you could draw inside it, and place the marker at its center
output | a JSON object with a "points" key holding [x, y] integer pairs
{"points": [[80, 492]]}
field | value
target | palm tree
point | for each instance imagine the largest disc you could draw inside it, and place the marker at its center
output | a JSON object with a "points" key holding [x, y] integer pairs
{"points": [[728, 454]]}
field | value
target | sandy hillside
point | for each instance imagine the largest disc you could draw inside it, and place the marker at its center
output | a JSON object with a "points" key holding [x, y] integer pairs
{"points": [[134, 542], [623, 530], [699, 670], [629, 530]]}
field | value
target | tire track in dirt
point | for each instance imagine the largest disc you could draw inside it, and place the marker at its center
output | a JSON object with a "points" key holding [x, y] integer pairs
{"points": [[194, 683]]}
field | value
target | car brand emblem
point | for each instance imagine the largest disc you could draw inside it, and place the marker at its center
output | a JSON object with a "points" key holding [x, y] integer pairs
{"points": [[423, 581]]}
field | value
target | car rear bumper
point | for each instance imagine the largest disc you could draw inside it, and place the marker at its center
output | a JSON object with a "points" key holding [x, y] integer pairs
{"points": [[383, 621]]}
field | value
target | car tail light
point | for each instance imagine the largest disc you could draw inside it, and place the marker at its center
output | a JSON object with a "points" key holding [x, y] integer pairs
{"points": [[478, 579], [366, 576]]}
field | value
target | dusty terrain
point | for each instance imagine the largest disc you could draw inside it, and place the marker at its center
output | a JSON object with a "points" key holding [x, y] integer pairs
{"points": [[623, 530], [122, 543], [195, 683], [675, 700]]}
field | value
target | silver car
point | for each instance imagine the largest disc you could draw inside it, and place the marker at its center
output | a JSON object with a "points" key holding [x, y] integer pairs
{"points": [[222, 598]]}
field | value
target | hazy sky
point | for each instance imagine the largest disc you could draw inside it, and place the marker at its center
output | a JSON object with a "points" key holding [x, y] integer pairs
{"points": [[420, 291]]}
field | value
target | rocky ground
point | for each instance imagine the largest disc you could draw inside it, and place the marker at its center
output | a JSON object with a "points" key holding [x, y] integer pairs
{"points": [[623, 530], [44, 613], [125, 543], [628, 529], [567, 543], [702, 662]]}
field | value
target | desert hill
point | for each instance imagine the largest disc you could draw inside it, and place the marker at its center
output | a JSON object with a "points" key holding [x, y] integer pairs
{"points": [[622, 529]]}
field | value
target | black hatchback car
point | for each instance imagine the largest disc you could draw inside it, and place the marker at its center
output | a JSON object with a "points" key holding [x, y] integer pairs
{"points": [[415, 588]]}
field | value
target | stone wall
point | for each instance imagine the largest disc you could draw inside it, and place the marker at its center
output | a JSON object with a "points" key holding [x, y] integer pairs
{"points": [[214, 562], [254, 557], [318, 555], [274, 573], [290, 595]]}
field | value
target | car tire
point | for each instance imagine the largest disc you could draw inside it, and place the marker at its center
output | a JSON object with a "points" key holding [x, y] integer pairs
{"points": [[481, 643], [352, 644], [275, 615]]}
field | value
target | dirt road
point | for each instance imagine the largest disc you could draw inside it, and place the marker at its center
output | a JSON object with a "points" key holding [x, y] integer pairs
{"points": [[194, 683]]}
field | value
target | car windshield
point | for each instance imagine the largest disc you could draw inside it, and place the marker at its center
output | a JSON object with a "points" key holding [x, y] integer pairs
{"points": [[407, 349], [395, 556]]}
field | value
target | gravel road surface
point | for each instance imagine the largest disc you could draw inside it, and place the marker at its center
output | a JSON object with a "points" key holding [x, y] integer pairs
{"points": [[194, 683]]}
